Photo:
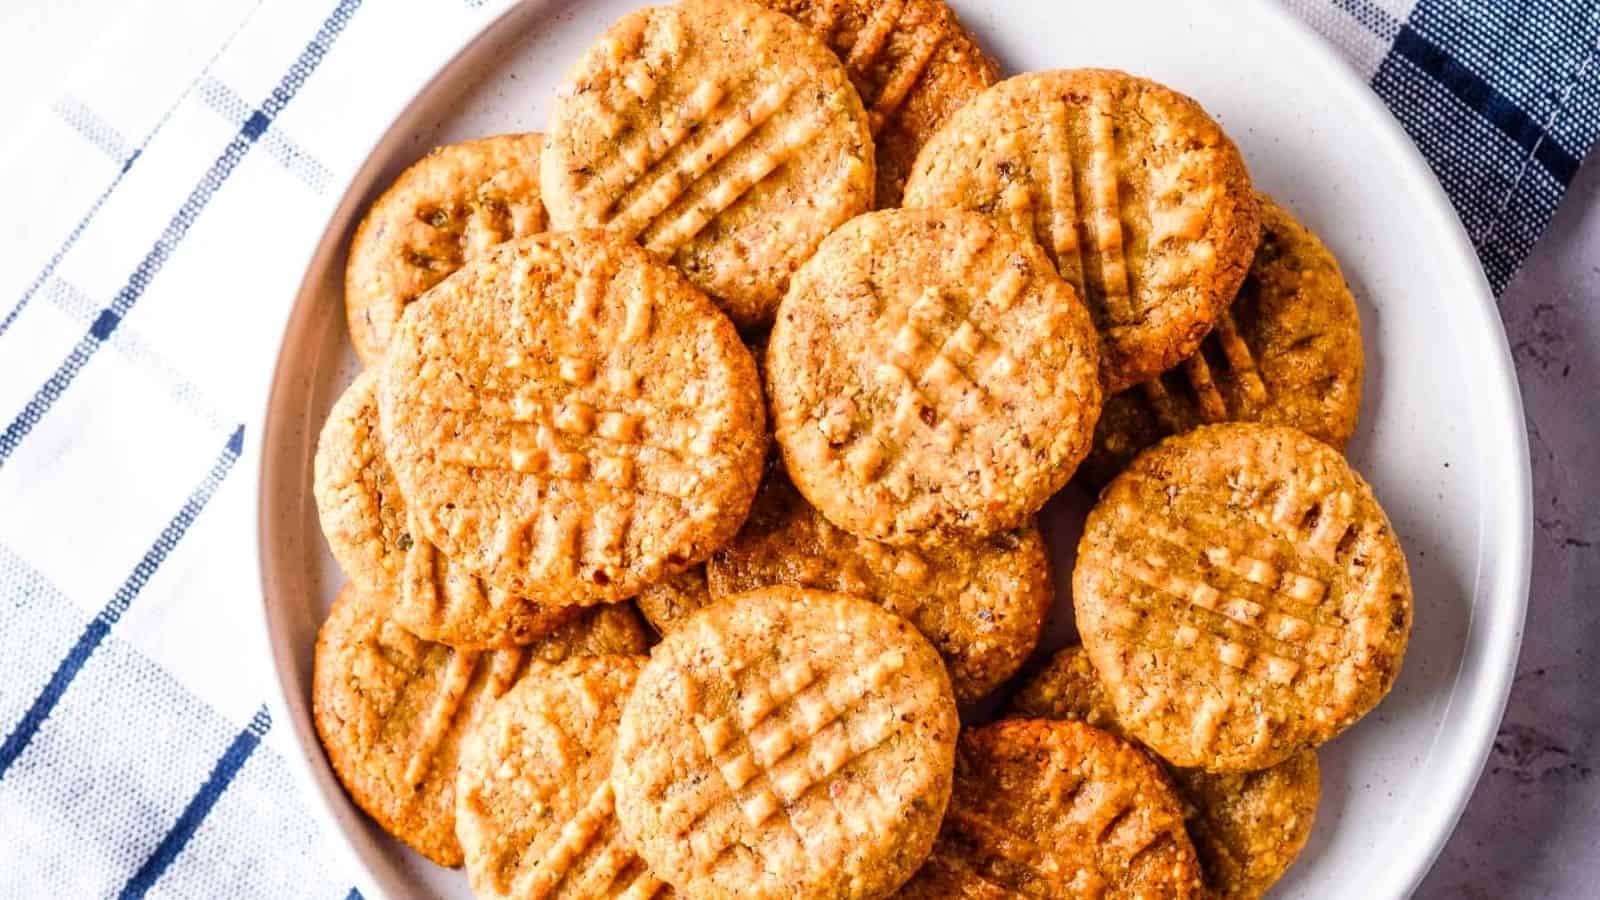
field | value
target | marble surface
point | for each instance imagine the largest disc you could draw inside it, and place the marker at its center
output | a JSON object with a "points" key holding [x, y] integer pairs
{"points": [[1533, 826]]}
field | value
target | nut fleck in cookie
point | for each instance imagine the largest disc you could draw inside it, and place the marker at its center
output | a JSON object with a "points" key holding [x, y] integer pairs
{"points": [[1057, 809], [911, 61], [571, 420], [1286, 352], [932, 379], [391, 708], [1136, 194], [370, 531], [787, 743], [448, 207], [1247, 827], [722, 136], [534, 805], [981, 604], [1242, 595]]}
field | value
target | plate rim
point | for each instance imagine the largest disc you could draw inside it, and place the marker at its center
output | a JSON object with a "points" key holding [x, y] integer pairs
{"points": [[1489, 659]]}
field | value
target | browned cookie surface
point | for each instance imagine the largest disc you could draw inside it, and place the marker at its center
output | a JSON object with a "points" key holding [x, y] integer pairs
{"points": [[932, 379], [722, 136], [1247, 827], [1139, 198], [981, 604], [1286, 352], [370, 531], [448, 207], [787, 743], [1058, 810], [571, 420], [1242, 596], [911, 61], [670, 601], [534, 807], [391, 708]]}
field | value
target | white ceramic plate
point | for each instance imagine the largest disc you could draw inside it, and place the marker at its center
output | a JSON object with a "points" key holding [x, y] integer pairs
{"points": [[1441, 435]]}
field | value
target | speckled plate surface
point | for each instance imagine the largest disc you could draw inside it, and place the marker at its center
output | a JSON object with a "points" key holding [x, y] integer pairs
{"points": [[1441, 438]]}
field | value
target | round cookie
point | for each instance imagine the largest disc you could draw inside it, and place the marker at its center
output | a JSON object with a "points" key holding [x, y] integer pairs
{"points": [[391, 708], [534, 805], [980, 604], [787, 743], [1242, 596], [1286, 352], [570, 419], [668, 602], [722, 136], [1247, 827], [371, 533], [931, 378], [1057, 809], [911, 61], [1139, 198], [448, 207]]}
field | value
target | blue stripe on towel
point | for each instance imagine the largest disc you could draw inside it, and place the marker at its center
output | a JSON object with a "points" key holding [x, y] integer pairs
{"points": [[96, 631]]}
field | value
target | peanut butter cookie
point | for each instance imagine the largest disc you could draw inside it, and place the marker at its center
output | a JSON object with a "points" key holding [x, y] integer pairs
{"points": [[1136, 194], [932, 378], [448, 207], [722, 136], [668, 602], [570, 419], [534, 805], [911, 61], [1058, 810], [391, 708], [1247, 827], [787, 743], [1286, 352], [1242, 596], [370, 531]]}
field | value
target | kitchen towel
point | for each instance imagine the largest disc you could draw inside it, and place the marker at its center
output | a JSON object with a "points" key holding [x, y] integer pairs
{"points": [[157, 218]]}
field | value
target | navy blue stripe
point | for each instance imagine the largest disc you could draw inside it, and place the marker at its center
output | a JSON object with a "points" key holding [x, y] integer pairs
{"points": [[354, 895], [48, 393], [199, 806], [1482, 97], [20, 736]]}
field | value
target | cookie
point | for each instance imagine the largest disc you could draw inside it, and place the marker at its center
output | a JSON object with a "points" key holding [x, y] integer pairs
{"points": [[534, 806], [668, 602], [1057, 809], [1242, 595], [1247, 827], [391, 708], [912, 63], [722, 136], [571, 420], [448, 207], [932, 379], [1136, 194], [787, 743], [1286, 352], [370, 532], [980, 604]]}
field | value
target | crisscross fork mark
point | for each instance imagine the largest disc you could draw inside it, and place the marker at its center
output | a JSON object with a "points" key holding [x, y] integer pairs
{"points": [[442, 712], [578, 840], [1058, 225], [1105, 211], [1015, 850], [869, 46], [1325, 522], [1211, 404]]}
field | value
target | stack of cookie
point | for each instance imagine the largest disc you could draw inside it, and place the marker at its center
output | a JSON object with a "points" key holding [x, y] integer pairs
{"points": [[963, 295]]}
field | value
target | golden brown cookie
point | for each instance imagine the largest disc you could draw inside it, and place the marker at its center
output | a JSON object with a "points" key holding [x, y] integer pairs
{"points": [[1247, 827], [980, 604], [371, 534], [911, 61], [1242, 596], [722, 136], [570, 419], [391, 708], [932, 379], [668, 602], [1057, 810], [1136, 194], [448, 207], [534, 806], [787, 743], [1286, 352]]}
